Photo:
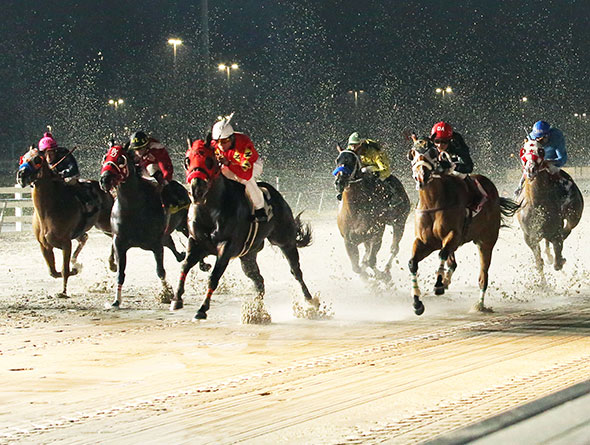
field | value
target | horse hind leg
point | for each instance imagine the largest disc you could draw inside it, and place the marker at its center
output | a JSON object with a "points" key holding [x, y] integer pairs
{"points": [[252, 271], [550, 258], [485, 256], [353, 254], [292, 255], [254, 312], [166, 293], [451, 267]]}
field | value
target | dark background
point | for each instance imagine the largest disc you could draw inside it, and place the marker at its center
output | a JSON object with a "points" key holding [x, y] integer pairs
{"points": [[298, 63]]}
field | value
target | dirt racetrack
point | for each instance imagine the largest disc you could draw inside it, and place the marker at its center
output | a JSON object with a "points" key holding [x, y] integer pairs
{"points": [[71, 372]]}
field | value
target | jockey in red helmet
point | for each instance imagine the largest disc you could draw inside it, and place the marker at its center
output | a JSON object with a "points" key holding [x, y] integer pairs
{"points": [[454, 158]]}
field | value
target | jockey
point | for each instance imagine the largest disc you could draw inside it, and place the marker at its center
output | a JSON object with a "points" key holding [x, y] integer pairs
{"points": [[553, 142], [373, 159], [239, 162], [153, 159], [60, 159], [454, 159]]}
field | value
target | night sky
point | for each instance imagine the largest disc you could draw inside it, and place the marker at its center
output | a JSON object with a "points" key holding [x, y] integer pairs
{"points": [[298, 60]]}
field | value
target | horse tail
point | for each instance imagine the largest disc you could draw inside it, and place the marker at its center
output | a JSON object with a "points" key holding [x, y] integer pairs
{"points": [[303, 236], [508, 207]]}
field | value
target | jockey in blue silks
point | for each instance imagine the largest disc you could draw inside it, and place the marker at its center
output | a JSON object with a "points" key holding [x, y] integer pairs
{"points": [[553, 142]]}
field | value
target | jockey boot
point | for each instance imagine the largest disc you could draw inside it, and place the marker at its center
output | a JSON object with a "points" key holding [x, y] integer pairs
{"points": [[518, 190], [480, 197], [260, 215]]}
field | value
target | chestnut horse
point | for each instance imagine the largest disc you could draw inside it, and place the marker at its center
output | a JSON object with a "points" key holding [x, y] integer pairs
{"points": [[367, 206], [221, 224], [545, 212], [58, 216], [138, 217], [443, 222]]}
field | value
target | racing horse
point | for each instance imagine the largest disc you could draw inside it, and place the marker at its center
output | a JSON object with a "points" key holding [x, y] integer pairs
{"points": [[443, 220], [367, 206], [138, 218], [221, 224], [59, 215], [545, 213]]}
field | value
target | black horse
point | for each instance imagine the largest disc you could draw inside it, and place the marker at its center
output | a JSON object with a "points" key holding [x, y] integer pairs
{"points": [[221, 224], [367, 206], [138, 218]]}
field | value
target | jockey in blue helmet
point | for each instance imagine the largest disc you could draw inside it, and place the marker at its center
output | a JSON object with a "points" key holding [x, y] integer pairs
{"points": [[553, 142]]}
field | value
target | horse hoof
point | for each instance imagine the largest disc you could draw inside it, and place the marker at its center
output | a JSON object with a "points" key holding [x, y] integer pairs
{"points": [[205, 267], [62, 295], [200, 316], [180, 257], [113, 305], [439, 290], [559, 264], [418, 308], [175, 305]]}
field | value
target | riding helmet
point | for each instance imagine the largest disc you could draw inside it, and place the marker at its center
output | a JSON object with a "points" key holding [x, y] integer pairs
{"points": [[540, 129], [138, 140], [441, 130]]}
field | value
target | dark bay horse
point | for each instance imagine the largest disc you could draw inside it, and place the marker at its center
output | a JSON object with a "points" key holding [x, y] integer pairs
{"points": [[367, 206], [221, 224], [545, 213], [443, 222], [138, 218], [59, 216]]}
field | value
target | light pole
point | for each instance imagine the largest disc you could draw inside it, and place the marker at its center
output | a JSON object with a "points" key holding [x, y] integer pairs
{"points": [[443, 91], [227, 68], [581, 116], [355, 95], [174, 43]]}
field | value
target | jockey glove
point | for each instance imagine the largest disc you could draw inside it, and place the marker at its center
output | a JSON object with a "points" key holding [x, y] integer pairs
{"points": [[444, 165]]}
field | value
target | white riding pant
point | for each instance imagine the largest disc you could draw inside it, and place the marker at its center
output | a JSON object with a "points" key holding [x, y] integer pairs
{"points": [[253, 192]]}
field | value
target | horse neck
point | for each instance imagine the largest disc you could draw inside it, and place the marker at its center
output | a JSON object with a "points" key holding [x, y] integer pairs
{"points": [[130, 189], [539, 190]]}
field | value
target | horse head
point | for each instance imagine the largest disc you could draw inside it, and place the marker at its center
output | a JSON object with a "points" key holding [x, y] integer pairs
{"points": [[201, 167], [29, 167], [424, 158], [347, 169], [115, 167], [532, 156]]}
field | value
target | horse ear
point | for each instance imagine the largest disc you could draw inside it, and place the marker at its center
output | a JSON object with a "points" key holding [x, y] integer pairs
{"points": [[126, 146], [189, 142], [411, 154], [414, 137], [209, 138], [339, 148], [186, 163]]}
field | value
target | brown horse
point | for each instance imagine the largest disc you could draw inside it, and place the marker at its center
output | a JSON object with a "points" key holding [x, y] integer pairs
{"points": [[58, 217], [545, 212], [367, 206], [443, 222]]}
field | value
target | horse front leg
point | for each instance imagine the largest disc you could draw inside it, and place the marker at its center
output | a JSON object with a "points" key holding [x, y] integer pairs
{"points": [[370, 259], [169, 242], [450, 244], [485, 257], [65, 271], [49, 257], [353, 254], [74, 261], [558, 249], [121, 260], [194, 255], [419, 252], [218, 270], [533, 244]]}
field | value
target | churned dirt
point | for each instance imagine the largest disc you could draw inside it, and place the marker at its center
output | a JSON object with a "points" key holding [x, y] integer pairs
{"points": [[72, 372]]}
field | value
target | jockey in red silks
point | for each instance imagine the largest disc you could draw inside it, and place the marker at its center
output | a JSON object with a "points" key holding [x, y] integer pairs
{"points": [[239, 162], [154, 161]]}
